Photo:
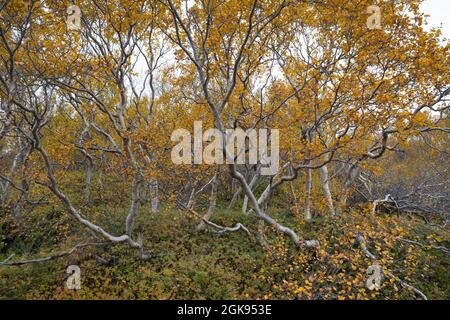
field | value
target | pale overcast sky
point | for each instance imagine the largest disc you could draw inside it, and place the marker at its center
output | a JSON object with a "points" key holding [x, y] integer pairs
{"points": [[439, 11]]}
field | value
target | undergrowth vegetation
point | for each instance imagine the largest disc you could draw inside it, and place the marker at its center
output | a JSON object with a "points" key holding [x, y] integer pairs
{"points": [[236, 149], [187, 264]]}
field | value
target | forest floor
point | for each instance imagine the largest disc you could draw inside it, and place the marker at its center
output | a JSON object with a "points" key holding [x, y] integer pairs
{"points": [[186, 264]]}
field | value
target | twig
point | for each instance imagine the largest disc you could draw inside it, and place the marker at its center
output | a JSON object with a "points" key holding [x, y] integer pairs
{"points": [[222, 229], [48, 258], [235, 228], [388, 198], [442, 248], [408, 286], [362, 242]]}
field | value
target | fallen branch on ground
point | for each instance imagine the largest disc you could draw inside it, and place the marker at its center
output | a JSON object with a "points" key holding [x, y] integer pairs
{"points": [[408, 286], [362, 243], [388, 198], [442, 248], [221, 229], [48, 258], [235, 228]]}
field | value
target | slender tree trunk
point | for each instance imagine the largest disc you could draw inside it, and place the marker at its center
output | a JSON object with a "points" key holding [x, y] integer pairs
{"points": [[6, 186], [264, 197], [212, 200], [134, 206], [251, 185], [89, 172], [245, 205], [308, 216], [235, 197], [16, 209], [154, 195], [236, 190], [4, 196], [352, 174], [294, 196], [234, 185], [100, 183], [191, 201], [260, 236], [326, 189]]}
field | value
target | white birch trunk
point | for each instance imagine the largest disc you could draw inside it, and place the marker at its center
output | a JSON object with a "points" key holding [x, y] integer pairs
{"points": [[212, 201], [251, 185], [89, 172], [308, 215], [327, 190], [154, 195]]}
